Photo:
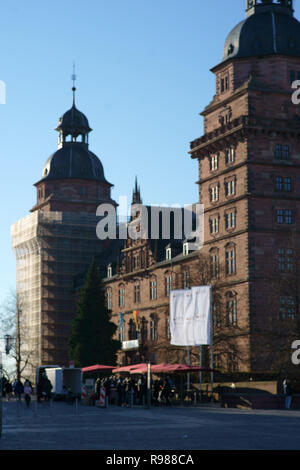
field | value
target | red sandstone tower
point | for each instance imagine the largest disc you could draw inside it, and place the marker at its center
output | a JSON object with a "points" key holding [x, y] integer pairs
{"points": [[249, 182]]}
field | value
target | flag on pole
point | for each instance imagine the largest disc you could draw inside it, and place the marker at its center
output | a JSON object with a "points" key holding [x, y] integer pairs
{"points": [[190, 316], [135, 318]]}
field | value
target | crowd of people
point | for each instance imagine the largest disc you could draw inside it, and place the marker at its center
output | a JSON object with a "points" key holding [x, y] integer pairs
{"points": [[130, 390], [17, 388]]}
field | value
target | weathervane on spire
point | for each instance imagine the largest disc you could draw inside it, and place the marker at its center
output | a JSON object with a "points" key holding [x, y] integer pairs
{"points": [[73, 80]]}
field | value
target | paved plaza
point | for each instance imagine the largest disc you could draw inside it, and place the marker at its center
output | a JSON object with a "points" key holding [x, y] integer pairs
{"points": [[63, 426]]}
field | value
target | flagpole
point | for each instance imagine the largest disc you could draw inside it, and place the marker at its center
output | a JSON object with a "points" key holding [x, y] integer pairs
{"points": [[200, 373], [188, 363], [211, 345]]}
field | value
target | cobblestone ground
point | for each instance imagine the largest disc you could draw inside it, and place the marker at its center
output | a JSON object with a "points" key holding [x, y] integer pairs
{"points": [[61, 426]]}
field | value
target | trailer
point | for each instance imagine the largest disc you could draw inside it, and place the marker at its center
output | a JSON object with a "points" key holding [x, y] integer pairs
{"points": [[66, 382]]}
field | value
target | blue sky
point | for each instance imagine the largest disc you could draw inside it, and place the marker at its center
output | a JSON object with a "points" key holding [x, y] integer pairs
{"points": [[143, 70]]}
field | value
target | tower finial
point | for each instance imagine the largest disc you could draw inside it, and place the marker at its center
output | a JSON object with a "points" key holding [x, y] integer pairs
{"points": [[73, 79], [136, 196]]}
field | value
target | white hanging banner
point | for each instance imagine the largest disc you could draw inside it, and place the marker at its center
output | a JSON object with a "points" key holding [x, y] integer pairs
{"points": [[203, 315], [190, 316]]}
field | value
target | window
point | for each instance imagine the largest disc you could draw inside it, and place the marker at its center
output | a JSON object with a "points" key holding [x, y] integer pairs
{"points": [[186, 279], [232, 362], [217, 361], [287, 308], [137, 294], [214, 263], [214, 163], [168, 330], [230, 220], [121, 297], [284, 216], [229, 156], [214, 225], [224, 83], [132, 333], [144, 330], [185, 249], [216, 316], [109, 299], [282, 152], [168, 253], [231, 309], [136, 262], [168, 285], [122, 331], [109, 271], [153, 290], [214, 193], [230, 188], [153, 328], [230, 260], [285, 259], [283, 184]]}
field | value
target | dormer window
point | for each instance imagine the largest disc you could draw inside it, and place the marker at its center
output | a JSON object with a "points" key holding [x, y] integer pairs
{"points": [[169, 253], [185, 249], [109, 271]]}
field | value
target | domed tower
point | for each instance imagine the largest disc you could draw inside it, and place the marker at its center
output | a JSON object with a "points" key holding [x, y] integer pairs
{"points": [[57, 242], [73, 176], [250, 184]]}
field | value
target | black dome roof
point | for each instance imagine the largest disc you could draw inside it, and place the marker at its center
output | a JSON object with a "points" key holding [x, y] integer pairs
{"points": [[74, 160], [268, 29], [73, 121]]}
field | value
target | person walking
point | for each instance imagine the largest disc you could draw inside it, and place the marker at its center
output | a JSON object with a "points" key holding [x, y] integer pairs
{"points": [[18, 389], [27, 392], [47, 387], [288, 393]]}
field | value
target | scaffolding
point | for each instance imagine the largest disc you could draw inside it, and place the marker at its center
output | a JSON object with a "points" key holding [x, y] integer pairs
{"points": [[51, 248]]}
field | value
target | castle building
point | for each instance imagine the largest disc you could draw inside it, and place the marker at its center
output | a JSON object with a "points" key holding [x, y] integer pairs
{"points": [[249, 169], [58, 240]]}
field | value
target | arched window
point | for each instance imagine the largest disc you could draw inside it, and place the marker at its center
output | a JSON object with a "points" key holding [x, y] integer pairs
{"points": [[121, 296], [136, 294], [231, 309], [214, 263], [153, 288], [109, 299], [153, 328], [168, 284]]}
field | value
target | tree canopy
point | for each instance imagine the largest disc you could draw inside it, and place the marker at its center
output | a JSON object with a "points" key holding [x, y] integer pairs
{"points": [[91, 340]]}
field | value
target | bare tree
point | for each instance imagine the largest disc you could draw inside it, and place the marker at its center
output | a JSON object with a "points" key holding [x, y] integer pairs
{"points": [[13, 323]]}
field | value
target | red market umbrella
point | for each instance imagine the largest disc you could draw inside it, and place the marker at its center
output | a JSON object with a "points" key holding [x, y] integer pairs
{"points": [[97, 367], [128, 368], [168, 369]]}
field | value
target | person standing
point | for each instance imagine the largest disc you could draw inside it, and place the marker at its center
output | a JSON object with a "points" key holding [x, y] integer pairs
{"points": [[8, 390], [288, 393], [97, 388], [27, 392]]}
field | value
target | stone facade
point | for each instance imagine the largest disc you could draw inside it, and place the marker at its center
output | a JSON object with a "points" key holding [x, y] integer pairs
{"points": [[249, 173]]}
